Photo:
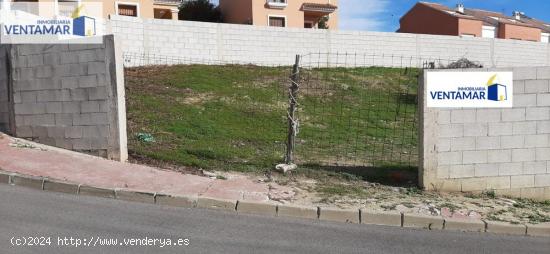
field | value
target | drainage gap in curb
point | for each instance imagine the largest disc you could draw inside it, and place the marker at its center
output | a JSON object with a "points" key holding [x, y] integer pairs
{"points": [[318, 212]]}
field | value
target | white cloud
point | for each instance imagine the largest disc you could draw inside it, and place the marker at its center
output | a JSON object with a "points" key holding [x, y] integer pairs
{"points": [[362, 14]]}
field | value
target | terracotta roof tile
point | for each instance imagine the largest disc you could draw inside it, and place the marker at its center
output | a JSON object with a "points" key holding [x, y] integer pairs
{"points": [[319, 7], [490, 18]]}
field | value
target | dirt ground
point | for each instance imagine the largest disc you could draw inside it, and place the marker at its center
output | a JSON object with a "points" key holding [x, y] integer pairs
{"points": [[348, 194]]}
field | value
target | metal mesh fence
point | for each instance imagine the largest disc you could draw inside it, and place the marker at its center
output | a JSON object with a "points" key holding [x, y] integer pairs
{"points": [[360, 110], [355, 111], [350, 110]]}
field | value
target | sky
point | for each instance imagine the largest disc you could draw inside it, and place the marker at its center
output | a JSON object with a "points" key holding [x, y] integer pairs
{"points": [[384, 15]]}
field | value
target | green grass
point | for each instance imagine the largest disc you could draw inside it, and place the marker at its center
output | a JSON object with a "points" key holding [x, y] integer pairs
{"points": [[234, 117]]}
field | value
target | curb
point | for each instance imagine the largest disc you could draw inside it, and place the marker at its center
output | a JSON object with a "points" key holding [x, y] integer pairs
{"points": [[357, 216], [380, 218], [464, 225], [96, 192], [62, 187], [423, 221], [177, 201], [340, 215], [539, 229], [298, 212], [505, 228], [27, 181], [217, 204], [257, 208], [141, 197], [4, 178]]}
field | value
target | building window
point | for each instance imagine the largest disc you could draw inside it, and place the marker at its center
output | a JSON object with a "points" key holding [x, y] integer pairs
{"points": [[277, 4], [308, 24], [277, 21], [127, 9], [66, 7], [163, 13], [545, 37]]}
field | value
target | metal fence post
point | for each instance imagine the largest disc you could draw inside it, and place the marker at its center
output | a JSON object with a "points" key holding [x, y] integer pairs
{"points": [[292, 121]]}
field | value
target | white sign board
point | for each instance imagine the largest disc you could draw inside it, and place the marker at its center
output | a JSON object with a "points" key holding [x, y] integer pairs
{"points": [[51, 22], [470, 89]]}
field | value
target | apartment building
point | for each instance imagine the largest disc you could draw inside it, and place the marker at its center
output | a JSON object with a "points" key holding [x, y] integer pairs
{"points": [[159, 9], [281, 13], [434, 18]]}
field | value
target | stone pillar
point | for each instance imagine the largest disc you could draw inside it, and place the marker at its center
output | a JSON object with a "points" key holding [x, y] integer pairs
{"points": [[175, 13]]}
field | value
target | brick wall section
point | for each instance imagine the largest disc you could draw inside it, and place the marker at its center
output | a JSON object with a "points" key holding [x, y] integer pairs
{"points": [[278, 46], [507, 150], [71, 96]]}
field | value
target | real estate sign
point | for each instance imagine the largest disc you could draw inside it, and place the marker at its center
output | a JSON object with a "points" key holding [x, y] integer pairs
{"points": [[469, 89], [51, 22]]}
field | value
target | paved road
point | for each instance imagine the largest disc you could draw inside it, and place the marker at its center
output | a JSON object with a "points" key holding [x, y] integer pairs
{"points": [[26, 212]]}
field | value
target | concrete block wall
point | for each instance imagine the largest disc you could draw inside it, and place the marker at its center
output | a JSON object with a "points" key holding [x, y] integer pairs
{"points": [[211, 43], [4, 95], [71, 96], [506, 150]]}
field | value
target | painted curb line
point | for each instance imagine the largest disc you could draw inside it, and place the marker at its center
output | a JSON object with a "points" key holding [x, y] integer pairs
{"points": [[362, 216]]}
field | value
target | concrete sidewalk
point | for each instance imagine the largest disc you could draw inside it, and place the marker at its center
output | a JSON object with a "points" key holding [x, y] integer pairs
{"points": [[27, 158]]}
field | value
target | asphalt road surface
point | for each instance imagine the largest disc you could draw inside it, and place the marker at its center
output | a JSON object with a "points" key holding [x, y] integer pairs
{"points": [[60, 223]]}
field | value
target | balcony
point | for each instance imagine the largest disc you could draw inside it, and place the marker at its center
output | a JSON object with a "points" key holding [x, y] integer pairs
{"points": [[321, 9], [169, 2], [276, 4]]}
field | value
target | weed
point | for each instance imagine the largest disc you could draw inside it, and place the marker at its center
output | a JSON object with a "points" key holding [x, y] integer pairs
{"points": [[413, 191], [495, 215], [452, 207], [472, 195], [490, 194], [537, 217], [389, 207], [408, 204], [350, 177]]}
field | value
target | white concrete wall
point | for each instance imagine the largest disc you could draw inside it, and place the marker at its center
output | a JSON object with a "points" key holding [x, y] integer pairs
{"points": [[507, 150], [211, 42]]}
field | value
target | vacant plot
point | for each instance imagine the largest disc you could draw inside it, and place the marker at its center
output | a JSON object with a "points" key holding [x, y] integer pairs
{"points": [[234, 117]]}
